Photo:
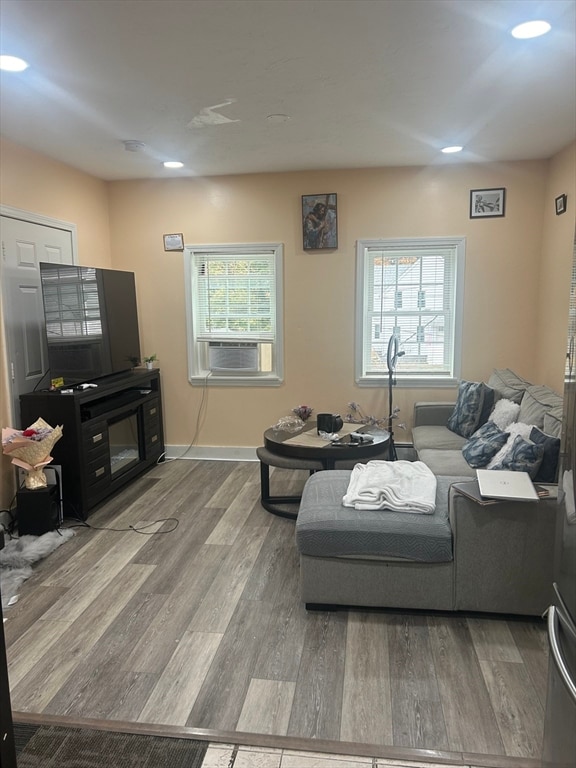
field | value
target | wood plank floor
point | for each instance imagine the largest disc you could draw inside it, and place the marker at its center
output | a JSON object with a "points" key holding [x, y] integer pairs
{"points": [[202, 627]]}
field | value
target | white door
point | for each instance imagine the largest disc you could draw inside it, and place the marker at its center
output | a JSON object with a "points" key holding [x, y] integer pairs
{"points": [[24, 245]]}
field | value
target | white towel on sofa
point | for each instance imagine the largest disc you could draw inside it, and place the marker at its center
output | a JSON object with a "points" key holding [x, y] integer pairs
{"points": [[400, 486]]}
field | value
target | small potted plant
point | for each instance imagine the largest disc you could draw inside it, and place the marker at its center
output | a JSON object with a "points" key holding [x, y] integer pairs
{"points": [[150, 360]]}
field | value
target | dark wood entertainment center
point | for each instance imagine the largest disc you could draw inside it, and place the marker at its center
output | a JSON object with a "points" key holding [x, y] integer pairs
{"points": [[111, 434]]}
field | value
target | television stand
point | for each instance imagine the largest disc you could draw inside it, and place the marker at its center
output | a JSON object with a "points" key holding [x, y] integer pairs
{"points": [[111, 434]]}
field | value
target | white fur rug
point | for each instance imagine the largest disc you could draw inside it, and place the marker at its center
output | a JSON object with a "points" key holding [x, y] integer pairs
{"points": [[18, 556]]}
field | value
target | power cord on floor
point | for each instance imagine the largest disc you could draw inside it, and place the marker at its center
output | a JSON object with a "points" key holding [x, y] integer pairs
{"points": [[82, 523], [134, 528]]}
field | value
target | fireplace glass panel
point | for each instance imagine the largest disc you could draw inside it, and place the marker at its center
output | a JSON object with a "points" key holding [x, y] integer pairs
{"points": [[123, 440]]}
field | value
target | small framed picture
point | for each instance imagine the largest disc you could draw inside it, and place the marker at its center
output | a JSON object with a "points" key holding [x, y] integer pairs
{"points": [[319, 222], [560, 204], [487, 203], [174, 242]]}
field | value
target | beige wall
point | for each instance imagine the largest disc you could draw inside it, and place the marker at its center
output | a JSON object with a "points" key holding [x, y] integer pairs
{"points": [[555, 267], [502, 283], [516, 267], [35, 183]]}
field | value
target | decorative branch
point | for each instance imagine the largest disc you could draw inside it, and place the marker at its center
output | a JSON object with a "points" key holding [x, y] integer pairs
{"points": [[357, 416]]}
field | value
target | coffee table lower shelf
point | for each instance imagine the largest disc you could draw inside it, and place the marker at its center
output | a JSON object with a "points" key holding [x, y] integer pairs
{"points": [[281, 450], [269, 459]]}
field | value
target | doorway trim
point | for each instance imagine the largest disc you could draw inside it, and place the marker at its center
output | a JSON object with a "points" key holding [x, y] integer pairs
{"points": [[20, 214], [47, 221]]}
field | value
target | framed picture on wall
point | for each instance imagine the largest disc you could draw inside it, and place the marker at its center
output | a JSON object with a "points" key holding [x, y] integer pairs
{"points": [[560, 202], [487, 203], [174, 242], [319, 222]]}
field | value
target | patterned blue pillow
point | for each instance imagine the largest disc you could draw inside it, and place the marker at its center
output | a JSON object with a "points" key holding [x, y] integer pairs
{"points": [[524, 456], [484, 445], [487, 404], [466, 414], [548, 470]]}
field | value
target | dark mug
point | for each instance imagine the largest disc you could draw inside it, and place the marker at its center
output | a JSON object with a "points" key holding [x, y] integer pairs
{"points": [[329, 422]]}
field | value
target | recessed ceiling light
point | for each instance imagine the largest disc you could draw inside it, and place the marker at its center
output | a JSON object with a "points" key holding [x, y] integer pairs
{"points": [[450, 150], [173, 164], [12, 63], [530, 29]]}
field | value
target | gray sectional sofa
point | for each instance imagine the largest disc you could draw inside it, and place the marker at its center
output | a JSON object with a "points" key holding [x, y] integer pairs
{"points": [[493, 558], [441, 448]]}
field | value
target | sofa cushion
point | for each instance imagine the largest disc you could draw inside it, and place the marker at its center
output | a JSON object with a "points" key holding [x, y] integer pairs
{"points": [[508, 384], [465, 417], [548, 470], [525, 456], [326, 528], [553, 422], [436, 437], [504, 413], [484, 444], [446, 462], [536, 402]]}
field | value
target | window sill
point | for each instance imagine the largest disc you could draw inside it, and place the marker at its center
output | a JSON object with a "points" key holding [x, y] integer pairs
{"points": [[213, 380]]}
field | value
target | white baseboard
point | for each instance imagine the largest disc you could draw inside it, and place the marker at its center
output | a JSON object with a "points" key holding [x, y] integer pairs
{"points": [[211, 453]]}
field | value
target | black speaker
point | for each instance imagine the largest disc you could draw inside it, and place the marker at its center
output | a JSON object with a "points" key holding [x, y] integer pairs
{"points": [[38, 510]]}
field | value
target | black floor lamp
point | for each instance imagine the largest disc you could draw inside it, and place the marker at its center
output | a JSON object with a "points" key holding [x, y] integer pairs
{"points": [[391, 360]]}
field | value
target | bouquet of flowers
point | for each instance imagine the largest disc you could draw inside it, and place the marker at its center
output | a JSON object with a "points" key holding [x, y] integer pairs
{"points": [[303, 411], [30, 449]]}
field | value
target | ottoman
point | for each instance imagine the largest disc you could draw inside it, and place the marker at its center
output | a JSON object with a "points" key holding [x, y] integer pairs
{"points": [[372, 558]]}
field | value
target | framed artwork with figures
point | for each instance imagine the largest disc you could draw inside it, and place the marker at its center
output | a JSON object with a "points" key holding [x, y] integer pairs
{"points": [[319, 222], [487, 203]]}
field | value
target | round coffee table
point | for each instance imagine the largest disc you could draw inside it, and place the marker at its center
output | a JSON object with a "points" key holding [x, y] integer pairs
{"points": [[306, 450]]}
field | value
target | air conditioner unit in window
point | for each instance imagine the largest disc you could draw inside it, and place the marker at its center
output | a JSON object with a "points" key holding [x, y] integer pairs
{"points": [[233, 357]]}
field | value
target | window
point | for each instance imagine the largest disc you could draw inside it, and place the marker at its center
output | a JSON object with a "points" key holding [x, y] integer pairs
{"points": [[412, 289], [234, 314]]}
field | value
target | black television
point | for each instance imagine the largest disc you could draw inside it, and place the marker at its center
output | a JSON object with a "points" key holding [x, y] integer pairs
{"points": [[91, 320]]}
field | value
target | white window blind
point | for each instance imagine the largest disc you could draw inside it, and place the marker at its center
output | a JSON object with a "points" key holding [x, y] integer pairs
{"points": [[235, 297], [234, 313], [410, 289]]}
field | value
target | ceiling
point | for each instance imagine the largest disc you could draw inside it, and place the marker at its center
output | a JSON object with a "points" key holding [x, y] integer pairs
{"points": [[363, 83]]}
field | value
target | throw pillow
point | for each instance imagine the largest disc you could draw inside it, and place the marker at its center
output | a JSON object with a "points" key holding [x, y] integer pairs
{"points": [[524, 457], [487, 405], [551, 447], [484, 445], [504, 413], [513, 431], [466, 414]]}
